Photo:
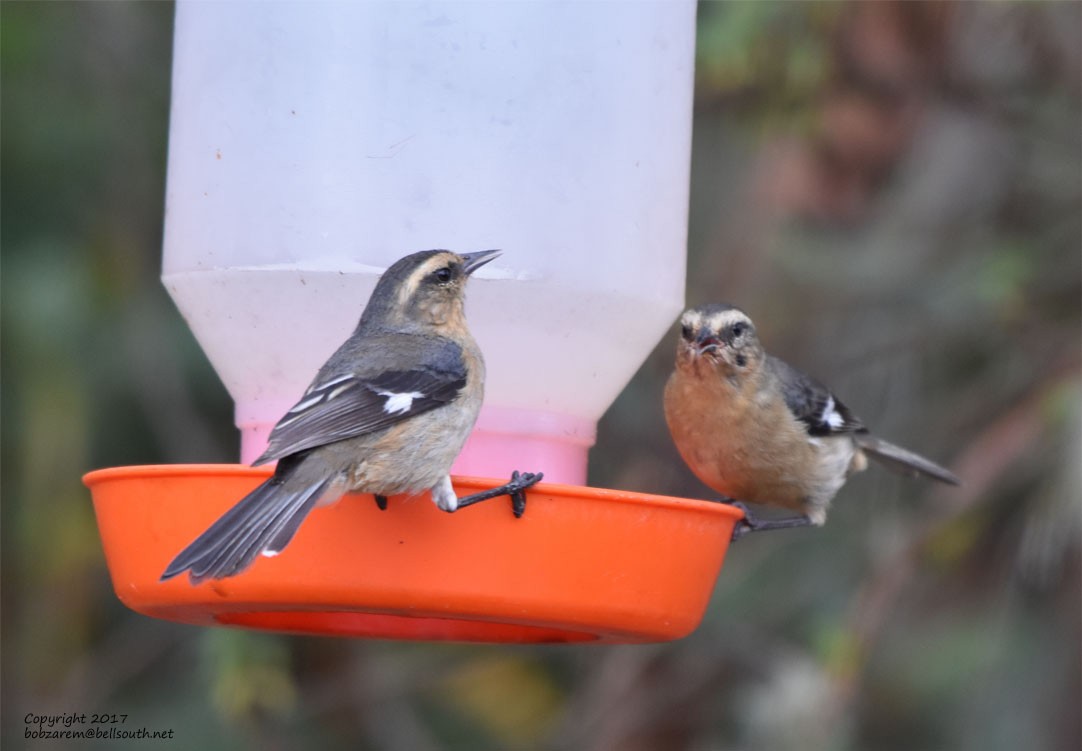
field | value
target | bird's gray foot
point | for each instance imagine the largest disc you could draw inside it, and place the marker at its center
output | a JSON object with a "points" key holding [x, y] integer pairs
{"points": [[516, 488], [751, 523]]}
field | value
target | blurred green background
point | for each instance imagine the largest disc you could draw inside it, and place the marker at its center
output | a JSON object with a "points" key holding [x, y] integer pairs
{"points": [[892, 190]]}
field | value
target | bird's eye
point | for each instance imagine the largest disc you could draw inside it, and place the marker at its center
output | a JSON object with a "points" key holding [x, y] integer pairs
{"points": [[739, 329], [685, 331], [443, 275]]}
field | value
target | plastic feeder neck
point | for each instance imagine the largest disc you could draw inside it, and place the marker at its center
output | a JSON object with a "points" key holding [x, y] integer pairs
{"points": [[503, 439]]}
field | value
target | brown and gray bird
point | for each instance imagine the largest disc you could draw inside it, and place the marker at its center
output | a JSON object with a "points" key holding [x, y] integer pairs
{"points": [[755, 429], [388, 413]]}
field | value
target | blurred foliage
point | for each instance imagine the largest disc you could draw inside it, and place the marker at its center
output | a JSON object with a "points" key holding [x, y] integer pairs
{"points": [[512, 697], [249, 673], [774, 53], [893, 191]]}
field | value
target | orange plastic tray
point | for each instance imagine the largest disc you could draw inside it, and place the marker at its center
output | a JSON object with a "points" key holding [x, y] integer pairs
{"points": [[582, 564]]}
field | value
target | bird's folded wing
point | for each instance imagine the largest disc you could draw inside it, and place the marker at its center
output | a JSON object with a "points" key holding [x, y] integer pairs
{"points": [[812, 403], [350, 405]]}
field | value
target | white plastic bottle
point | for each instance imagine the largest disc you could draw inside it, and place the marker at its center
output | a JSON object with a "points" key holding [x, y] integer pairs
{"points": [[313, 144]]}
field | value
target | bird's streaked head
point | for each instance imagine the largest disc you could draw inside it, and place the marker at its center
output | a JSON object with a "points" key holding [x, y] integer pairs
{"points": [[424, 289], [719, 335]]}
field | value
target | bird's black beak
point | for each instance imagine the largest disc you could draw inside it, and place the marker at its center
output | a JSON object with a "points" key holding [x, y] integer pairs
{"points": [[474, 261], [706, 341]]}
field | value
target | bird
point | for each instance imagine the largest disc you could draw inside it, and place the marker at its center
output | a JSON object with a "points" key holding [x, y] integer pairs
{"points": [[757, 430], [387, 414]]}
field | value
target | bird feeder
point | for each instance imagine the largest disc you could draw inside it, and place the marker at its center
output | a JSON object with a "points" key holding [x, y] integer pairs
{"points": [[313, 145]]}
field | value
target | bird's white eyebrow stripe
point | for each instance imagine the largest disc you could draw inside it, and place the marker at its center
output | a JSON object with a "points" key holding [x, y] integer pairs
{"points": [[727, 318], [692, 318]]}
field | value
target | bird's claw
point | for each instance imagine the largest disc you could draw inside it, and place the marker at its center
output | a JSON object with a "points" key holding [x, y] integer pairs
{"points": [[751, 523], [743, 526], [516, 488], [381, 501]]}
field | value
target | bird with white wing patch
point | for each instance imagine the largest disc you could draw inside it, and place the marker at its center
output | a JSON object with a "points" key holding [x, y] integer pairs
{"points": [[756, 429], [387, 414]]}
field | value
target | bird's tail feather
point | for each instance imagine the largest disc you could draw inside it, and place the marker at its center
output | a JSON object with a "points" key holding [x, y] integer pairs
{"points": [[903, 460], [264, 521]]}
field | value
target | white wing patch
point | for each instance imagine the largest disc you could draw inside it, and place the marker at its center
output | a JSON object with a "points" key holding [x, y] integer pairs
{"points": [[298, 409], [340, 390], [397, 403], [333, 381], [831, 416], [305, 404]]}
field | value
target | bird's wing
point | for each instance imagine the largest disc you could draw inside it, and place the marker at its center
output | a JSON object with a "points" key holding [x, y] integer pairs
{"points": [[812, 403], [340, 405]]}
